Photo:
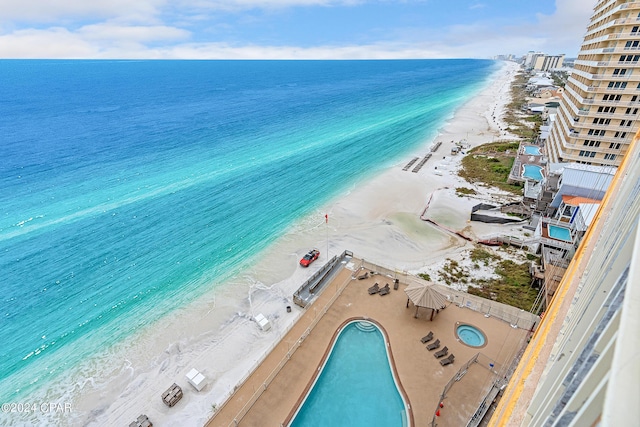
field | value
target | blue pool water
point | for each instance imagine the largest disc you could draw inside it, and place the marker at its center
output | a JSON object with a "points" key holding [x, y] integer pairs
{"points": [[532, 172], [356, 386], [559, 233], [470, 335], [532, 151]]}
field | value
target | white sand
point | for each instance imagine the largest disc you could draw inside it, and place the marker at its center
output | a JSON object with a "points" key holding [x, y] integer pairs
{"points": [[378, 220]]}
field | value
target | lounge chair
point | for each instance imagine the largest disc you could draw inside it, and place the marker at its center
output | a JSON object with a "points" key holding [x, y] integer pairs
{"points": [[425, 339], [447, 360], [384, 290], [433, 345], [363, 275], [440, 353], [374, 289]]}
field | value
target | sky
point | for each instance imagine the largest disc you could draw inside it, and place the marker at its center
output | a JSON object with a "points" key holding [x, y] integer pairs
{"points": [[290, 29]]}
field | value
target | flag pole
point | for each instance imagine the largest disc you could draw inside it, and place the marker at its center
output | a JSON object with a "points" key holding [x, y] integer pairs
{"points": [[326, 221]]}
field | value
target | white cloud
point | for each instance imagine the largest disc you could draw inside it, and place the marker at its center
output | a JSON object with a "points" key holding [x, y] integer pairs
{"points": [[133, 29], [113, 32], [48, 11], [51, 43], [566, 27], [224, 51], [560, 32], [129, 43], [91, 41], [39, 11]]}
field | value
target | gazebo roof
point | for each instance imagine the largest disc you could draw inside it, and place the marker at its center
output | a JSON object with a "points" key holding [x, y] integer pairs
{"points": [[426, 295]]}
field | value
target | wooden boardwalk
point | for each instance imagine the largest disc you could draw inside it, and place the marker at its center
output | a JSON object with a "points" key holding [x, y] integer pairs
{"points": [[411, 162], [421, 164]]}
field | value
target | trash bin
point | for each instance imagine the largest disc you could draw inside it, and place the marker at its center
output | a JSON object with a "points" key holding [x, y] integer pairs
{"points": [[288, 309]]}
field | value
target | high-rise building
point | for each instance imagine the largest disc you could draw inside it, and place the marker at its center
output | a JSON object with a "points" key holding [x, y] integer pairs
{"points": [[582, 364], [542, 62], [528, 58], [598, 115]]}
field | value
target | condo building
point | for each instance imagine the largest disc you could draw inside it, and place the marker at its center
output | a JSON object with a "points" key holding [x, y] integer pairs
{"points": [[542, 62], [598, 115], [582, 364]]}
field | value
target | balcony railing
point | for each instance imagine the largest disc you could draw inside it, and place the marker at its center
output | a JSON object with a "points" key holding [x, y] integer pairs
{"points": [[623, 35], [600, 138], [630, 5], [626, 21]]}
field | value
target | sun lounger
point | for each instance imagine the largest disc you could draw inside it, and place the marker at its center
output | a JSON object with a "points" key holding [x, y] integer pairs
{"points": [[363, 275], [425, 339], [448, 360], [172, 395], [374, 289], [384, 290], [441, 353], [433, 345]]}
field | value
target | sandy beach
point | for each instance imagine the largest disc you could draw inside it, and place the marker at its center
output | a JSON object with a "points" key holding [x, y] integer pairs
{"points": [[378, 220]]}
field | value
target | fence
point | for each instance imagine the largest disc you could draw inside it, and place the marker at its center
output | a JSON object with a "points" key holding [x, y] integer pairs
{"points": [[516, 317], [457, 377], [481, 360]]}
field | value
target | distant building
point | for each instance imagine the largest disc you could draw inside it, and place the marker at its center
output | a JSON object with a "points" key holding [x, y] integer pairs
{"points": [[542, 62], [528, 58], [509, 57], [598, 115]]}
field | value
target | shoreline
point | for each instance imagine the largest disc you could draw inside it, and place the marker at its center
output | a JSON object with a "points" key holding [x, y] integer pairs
{"points": [[377, 220]]}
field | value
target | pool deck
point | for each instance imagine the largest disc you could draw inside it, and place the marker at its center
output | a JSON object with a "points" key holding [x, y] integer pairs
{"points": [[420, 373]]}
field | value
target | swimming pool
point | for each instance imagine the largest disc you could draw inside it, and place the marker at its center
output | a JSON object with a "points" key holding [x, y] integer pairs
{"points": [[356, 386], [532, 172], [532, 151], [559, 233], [471, 336]]}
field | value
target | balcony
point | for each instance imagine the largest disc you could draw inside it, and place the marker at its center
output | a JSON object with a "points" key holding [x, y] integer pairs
{"points": [[623, 21], [630, 5], [617, 78], [600, 138], [596, 28], [629, 35], [607, 15], [578, 126]]}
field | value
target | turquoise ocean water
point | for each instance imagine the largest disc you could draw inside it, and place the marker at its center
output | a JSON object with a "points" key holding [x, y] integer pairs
{"points": [[126, 186]]}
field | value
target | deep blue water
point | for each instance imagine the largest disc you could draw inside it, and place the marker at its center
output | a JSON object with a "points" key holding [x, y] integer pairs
{"points": [[125, 186]]}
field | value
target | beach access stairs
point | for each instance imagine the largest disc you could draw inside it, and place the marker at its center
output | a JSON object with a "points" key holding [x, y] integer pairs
{"points": [[314, 284]]}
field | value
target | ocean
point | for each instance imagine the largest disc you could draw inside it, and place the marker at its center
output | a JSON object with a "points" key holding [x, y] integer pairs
{"points": [[130, 188]]}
